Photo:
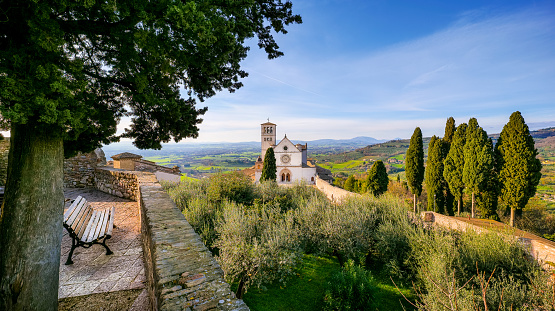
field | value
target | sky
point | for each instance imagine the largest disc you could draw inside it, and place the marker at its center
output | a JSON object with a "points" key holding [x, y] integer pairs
{"points": [[382, 68]]}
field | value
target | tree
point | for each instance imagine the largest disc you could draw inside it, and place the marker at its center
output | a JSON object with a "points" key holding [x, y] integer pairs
{"points": [[518, 167], [269, 169], [69, 70], [478, 161], [414, 167], [447, 141], [434, 176], [350, 183], [487, 200], [377, 179], [454, 165]]}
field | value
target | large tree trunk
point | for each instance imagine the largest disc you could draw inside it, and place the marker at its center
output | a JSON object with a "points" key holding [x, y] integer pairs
{"points": [[512, 220], [31, 221], [459, 204], [415, 203], [473, 212]]}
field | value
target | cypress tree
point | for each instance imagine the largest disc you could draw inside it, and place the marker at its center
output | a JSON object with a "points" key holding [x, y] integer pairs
{"points": [[434, 175], [269, 169], [377, 179], [487, 201], [350, 183], [447, 141], [454, 164], [478, 161], [518, 167], [414, 166]]}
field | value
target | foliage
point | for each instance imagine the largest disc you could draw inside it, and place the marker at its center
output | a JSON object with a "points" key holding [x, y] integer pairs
{"points": [[447, 140], [234, 186], [350, 183], [454, 164], [449, 132], [434, 176], [350, 289], [256, 247], [519, 170], [377, 179], [269, 169], [415, 162], [478, 160]]}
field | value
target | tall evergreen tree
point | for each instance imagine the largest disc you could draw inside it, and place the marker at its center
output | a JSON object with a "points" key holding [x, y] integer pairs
{"points": [[269, 169], [478, 161], [447, 141], [414, 165], [518, 167], [350, 183], [454, 165], [69, 70], [377, 179], [487, 199], [434, 176]]}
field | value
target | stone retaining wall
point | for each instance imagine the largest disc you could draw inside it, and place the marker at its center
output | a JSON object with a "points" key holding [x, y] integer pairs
{"points": [[79, 171], [541, 249], [181, 272], [333, 193], [116, 182]]}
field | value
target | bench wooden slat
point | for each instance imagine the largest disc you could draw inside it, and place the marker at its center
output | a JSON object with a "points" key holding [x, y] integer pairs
{"points": [[111, 223], [89, 226], [83, 222], [81, 219], [77, 212], [102, 225], [95, 231], [72, 207]]}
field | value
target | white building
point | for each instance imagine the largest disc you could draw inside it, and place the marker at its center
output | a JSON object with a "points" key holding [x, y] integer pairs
{"points": [[291, 160]]}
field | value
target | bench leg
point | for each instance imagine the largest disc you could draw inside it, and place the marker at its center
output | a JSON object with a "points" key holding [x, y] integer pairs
{"points": [[73, 247], [108, 251]]}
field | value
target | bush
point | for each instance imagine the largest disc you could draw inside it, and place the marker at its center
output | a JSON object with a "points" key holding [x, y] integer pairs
{"points": [[235, 186], [350, 289]]}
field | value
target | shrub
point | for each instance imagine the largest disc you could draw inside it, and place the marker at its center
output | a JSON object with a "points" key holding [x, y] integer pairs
{"points": [[234, 186], [350, 289]]}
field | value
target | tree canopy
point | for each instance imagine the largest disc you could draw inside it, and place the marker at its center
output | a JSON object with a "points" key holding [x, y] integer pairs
{"points": [[519, 169], [454, 164], [377, 179], [415, 164], [434, 176], [269, 169]]}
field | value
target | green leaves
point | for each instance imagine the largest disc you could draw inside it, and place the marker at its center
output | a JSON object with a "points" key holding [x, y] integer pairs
{"points": [[377, 179], [519, 170], [434, 175], [269, 169], [415, 162]]}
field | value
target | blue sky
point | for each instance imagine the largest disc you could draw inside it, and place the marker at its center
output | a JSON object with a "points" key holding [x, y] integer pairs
{"points": [[381, 68]]}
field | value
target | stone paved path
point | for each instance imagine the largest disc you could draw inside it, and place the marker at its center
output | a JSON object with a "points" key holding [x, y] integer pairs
{"points": [[95, 272]]}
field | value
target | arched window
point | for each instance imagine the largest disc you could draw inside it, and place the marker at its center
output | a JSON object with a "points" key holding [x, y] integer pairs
{"points": [[288, 177], [283, 177], [311, 178]]}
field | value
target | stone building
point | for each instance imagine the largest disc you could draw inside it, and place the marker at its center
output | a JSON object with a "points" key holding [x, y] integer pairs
{"points": [[291, 160]]}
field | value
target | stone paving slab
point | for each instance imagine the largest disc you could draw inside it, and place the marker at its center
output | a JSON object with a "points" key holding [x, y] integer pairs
{"points": [[92, 270]]}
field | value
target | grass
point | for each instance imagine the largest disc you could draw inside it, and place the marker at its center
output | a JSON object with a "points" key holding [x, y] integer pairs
{"points": [[306, 290]]}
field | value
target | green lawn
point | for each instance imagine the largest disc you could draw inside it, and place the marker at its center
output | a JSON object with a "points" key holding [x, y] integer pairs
{"points": [[306, 290]]}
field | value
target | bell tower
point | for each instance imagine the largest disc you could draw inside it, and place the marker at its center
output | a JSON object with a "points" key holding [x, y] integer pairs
{"points": [[267, 137]]}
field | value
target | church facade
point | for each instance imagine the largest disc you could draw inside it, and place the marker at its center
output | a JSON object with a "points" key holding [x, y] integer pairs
{"points": [[291, 160]]}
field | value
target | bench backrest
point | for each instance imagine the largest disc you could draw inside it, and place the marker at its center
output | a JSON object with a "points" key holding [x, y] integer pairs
{"points": [[88, 224]]}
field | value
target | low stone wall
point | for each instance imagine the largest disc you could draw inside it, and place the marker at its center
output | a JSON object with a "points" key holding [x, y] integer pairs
{"points": [[333, 193], [149, 166], [79, 171], [541, 249], [181, 272], [116, 182]]}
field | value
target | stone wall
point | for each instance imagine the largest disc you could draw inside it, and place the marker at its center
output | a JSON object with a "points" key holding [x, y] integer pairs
{"points": [[333, 193], [181, 272], [117, 182], [79, 171], [541, 249], [149, 166], [4, 151]]}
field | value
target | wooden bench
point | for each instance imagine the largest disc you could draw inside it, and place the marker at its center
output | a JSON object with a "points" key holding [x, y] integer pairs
{"points": [[87, 226]]}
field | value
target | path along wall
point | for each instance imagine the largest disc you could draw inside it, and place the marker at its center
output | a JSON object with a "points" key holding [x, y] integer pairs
{"points": [[333, 193], [181, 272], [541, 249]]}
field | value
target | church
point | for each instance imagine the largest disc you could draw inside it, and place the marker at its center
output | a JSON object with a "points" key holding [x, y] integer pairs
{"points": [[291, 160]]}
